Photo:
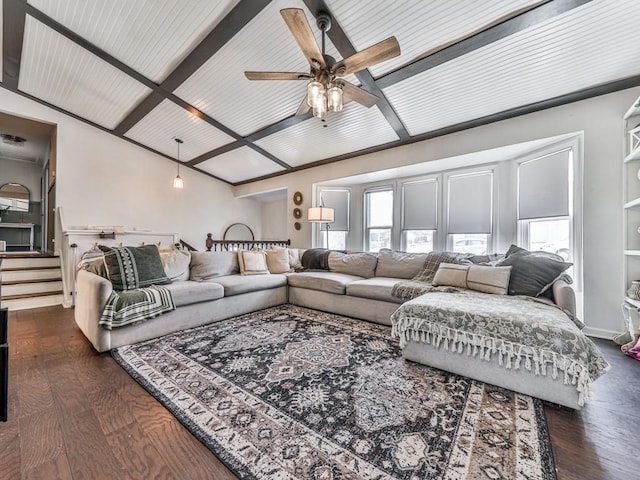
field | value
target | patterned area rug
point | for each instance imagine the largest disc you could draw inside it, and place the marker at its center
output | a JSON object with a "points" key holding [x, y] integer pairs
{"points": [[292, 393]]}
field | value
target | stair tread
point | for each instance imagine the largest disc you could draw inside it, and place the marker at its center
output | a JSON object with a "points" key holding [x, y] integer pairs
{"points": [[30, 295], [18, 269], [35, 280]]}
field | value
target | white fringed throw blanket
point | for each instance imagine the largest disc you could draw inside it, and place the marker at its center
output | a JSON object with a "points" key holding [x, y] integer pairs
{"points": [[524, 332]]}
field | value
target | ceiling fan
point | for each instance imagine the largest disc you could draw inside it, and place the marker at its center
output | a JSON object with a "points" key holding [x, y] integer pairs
{"points": [[326, 91]]}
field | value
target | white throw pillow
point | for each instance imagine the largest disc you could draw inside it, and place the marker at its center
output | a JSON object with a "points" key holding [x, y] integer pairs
{"points": [[252, 263], [480, 278], [176, 264], [278, 260]]}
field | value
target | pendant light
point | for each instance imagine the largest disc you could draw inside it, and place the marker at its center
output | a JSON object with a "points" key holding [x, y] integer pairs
{"points": [[177, 182]]}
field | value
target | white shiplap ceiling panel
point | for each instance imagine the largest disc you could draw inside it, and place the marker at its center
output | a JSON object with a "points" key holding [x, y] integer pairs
{"points": [[168, 121], [420, 26], [151, 36], [60, 72], [220, 89], [355, 128], [584, 47], [240, 164]]}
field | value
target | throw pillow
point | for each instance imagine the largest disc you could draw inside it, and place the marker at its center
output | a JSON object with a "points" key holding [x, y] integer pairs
{"points": [[278, 260], [480, 278], [360, 264], [134, 267], [399, 264], [433, 261], [488, 279], [295, 257], [206, 265], [451, 274], [176, 264], [532, 274], [252, 263]]}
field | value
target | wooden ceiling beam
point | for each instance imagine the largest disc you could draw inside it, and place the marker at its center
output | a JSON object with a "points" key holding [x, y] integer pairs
{"points": [[346, 49], [13, 19]]}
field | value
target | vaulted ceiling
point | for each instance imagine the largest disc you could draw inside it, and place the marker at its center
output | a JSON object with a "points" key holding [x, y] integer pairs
{"points": [[149, 71]]}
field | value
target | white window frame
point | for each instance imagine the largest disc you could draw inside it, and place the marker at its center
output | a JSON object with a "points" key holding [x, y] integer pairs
{"points": [[400, 195], [317, 239], [379, 188]]}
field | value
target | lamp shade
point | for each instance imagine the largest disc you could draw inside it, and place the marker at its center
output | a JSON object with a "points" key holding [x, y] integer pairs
{"points": [[320, 214]]}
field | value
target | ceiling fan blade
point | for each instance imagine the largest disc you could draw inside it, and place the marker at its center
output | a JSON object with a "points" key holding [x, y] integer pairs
{"points": [[368, 57], [299, 25], [357, 94], [277, 75], [304, 107]]}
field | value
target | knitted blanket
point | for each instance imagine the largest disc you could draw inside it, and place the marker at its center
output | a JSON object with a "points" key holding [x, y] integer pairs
{"points": [[125, 308]]}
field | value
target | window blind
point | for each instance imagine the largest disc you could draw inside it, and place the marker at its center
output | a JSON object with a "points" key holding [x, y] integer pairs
{"points": [[420, 205], [470, 203], [339, 201], [543, 186]]}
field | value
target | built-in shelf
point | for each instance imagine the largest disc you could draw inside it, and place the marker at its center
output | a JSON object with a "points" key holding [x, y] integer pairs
{"points": [[632, 253], [632, 204]]}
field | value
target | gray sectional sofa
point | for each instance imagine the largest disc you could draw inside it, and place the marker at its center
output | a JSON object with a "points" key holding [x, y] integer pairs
{"points": [[360, 288]]}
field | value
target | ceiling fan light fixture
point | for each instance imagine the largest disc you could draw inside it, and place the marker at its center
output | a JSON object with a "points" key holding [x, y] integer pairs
{"points": [[320, 106], [314, 90], [334, 98]]}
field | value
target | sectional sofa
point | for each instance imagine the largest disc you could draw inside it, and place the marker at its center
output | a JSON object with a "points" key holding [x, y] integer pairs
{"points": [[213, 289]]}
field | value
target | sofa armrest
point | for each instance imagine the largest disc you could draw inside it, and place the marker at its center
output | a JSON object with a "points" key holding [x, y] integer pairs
{"points": [[564, 296], [93, 292]]}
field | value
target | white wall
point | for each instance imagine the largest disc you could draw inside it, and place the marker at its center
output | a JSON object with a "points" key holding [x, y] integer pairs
{"points": [[104, 180], [274, 220], [27, 174], [599, 118]]}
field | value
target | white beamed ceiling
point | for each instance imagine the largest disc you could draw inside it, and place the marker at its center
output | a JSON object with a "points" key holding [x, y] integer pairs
{"points": [[419, 26], [543, 58], [353, 129], [239, 165], [583, 47], [64, 74], [168, 121], [162, 31]]}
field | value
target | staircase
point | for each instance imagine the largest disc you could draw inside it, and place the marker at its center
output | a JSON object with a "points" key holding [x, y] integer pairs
{"points": [[30, 280]]}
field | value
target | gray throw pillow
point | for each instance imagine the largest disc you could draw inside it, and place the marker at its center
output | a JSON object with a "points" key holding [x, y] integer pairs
{"points": [[134, 267], [532, 274]]}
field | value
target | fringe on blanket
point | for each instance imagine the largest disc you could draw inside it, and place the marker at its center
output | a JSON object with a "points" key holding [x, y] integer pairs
{"points": [[510, 355], [125, 308]]}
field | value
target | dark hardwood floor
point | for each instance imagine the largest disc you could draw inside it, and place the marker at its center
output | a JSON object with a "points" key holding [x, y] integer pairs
{"points": [[75, 414]]}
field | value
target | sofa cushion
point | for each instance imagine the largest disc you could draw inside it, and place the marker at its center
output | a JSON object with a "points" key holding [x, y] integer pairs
{"points": [[360, 264], [206, 265], [134, 267], [176, 264], [188, 292], [399, 264], [330, 282], [376, 288], [238, 284]]}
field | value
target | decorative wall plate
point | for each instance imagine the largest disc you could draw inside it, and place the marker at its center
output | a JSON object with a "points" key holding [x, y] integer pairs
{"points": [[297, 226], [297, 198], [297, 213]]}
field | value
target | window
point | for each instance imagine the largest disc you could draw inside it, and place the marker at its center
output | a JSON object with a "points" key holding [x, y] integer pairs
{"points": [[544, 203], [470, 212], [334, 235], [419, 215], [379, 218]]}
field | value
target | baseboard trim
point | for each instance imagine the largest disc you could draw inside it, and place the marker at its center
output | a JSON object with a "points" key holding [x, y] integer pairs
{"points": [[599, 333]]}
